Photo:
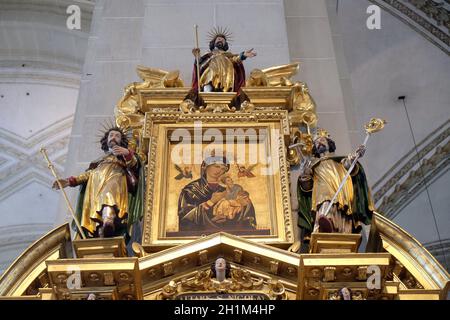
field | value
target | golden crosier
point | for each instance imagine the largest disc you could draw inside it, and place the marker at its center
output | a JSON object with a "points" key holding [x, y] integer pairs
{"points": [[307, 144], [304, 141], [374, 125], [310, 118]]}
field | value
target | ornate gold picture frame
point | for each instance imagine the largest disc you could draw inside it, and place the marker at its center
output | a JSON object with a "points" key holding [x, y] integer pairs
{"points": [[251, 196]]}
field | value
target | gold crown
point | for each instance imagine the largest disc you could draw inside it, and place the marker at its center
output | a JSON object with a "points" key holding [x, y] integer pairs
{"points": [[219, 31], [321, 133]]}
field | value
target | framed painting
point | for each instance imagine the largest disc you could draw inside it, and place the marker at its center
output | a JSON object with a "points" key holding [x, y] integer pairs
{"points": [[216, 173]]}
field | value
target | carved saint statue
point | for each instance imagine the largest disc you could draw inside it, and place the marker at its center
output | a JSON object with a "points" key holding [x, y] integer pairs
{"points": [[219, 69], [318, 183], [111, 194]]}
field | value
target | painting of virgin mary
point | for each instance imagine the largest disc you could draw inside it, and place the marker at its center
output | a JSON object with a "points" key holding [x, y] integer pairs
{"points": [[205, 204]]}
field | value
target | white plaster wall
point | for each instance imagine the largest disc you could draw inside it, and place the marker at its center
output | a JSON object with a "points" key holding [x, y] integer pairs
{"points": [[28, 108], [40, 66], [43, 118]]}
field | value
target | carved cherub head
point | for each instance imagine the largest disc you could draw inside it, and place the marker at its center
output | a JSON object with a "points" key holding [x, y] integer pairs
{"points": [[221, 269], [345, 293]]}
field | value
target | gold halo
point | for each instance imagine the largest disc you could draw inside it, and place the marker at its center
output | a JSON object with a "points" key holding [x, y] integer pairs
{"points": [[219, 31], [109, 124]]}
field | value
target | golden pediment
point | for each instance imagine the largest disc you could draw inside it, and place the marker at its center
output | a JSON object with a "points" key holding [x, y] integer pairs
{"points": [[407, 270]]}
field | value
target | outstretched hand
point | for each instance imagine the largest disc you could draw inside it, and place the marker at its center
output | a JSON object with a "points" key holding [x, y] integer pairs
{"points": [[250, 53], [217, 196], [360, 151], [307, 171], [64, 183], [196, 52]]}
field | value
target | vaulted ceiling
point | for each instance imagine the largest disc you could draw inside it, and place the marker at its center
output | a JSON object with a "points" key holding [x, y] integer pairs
{"points": [[430, 18]]}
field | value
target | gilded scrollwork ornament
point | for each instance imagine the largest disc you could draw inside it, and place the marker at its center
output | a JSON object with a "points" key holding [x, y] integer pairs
{"points": [[201, 281], [169, 291]]}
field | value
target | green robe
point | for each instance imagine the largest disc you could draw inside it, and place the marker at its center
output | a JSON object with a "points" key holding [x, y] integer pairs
{"points": [[362, 201]]}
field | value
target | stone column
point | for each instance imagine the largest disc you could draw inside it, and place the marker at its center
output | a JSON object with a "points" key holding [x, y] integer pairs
{"points": [[311, 43]]}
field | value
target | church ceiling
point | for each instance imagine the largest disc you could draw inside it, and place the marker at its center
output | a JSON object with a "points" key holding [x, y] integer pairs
{"points": [[430, 18], [406, 179]]}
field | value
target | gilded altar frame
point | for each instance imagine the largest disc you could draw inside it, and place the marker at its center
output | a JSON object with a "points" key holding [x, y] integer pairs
{"points": [[157, 126]]}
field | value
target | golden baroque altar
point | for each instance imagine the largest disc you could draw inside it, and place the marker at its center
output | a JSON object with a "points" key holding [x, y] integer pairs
{"points": [[175, 263]]}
